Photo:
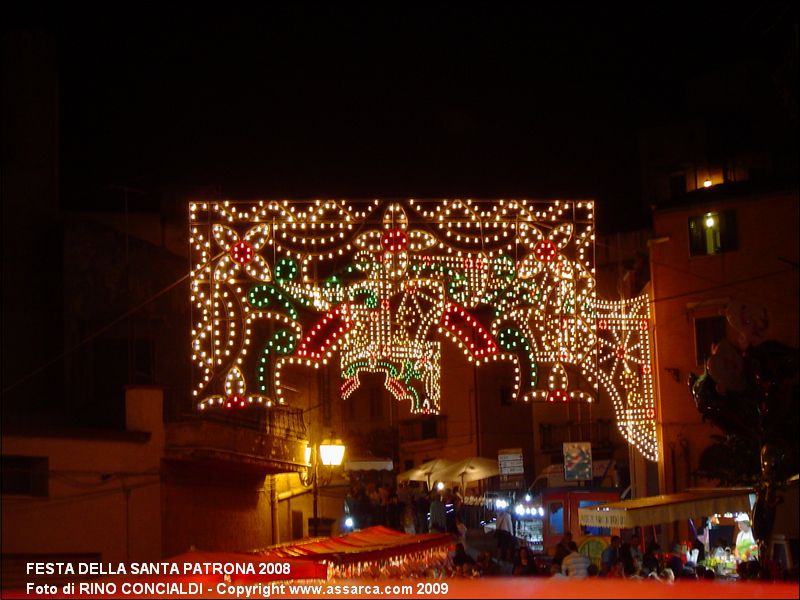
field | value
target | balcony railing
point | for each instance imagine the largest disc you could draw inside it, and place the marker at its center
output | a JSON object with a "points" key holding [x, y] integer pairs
{"points": [[271, 441], [424, 428], [599, 432]]}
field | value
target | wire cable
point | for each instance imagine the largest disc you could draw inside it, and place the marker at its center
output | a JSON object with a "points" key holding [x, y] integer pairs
{"points": [[103, 329], [723, 285]]}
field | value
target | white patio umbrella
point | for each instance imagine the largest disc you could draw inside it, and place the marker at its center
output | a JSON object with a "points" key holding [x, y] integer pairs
{"points": [[470, 469], [424, 471]]}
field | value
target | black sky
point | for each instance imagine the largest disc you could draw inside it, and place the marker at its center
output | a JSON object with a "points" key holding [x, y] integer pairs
{"points": [[481, 99]]}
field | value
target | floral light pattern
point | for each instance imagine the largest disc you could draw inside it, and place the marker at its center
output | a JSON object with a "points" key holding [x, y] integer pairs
{"points": [[380, 285]]}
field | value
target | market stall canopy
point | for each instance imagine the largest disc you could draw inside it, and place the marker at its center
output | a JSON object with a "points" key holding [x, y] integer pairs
{"points": [[653, 510], [204, 567], [371, 543], [424, 471], [467, 470], [369, 464]]}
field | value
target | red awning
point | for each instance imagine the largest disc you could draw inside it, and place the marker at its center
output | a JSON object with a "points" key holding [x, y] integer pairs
{"points": [[367, 544]]}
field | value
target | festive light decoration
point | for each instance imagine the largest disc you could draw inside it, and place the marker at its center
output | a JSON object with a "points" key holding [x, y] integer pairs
{"points": [[383, 284], [625, 369]]}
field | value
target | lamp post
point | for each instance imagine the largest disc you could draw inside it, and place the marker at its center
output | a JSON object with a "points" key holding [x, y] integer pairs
{"points": [[330, 453]]}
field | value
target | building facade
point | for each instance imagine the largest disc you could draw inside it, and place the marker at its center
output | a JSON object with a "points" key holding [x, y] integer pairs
{"points": [[725, 247], [85, 494]]}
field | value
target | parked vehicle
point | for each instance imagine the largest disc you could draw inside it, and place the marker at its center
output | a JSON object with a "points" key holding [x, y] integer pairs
{"points": [[542, 521]]}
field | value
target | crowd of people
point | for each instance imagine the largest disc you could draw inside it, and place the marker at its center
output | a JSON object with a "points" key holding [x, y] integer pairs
{"points": [[375, 505], [407, 509], [622, 559], [625, 559], [413, 510]]}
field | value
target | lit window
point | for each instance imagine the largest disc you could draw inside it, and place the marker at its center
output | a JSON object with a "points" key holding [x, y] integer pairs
{"points": [[712, 233]]}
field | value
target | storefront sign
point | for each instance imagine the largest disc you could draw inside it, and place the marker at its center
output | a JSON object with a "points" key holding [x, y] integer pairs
{"points": [[512, 469]]}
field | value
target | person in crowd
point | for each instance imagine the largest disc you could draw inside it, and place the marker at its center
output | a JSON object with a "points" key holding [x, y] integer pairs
{"points": [[505, 535], [462, 561], [674, 562], [461, 531], [636, 551], [750, 569], [394, 513], [654, 576], [438, 520], [652, 559], [363, 515], [575, 564], [610, 555], [746, 547], [700, 571], [385, 493], [376, 511], [630, 555], [458, 502], [689, 572], [701, 540], [524, 563], [421, 508], [593, 570], [408, 514], [487, 565], [698, 545], [450, 515], [562, 549], [350, 505], [350, 499]]}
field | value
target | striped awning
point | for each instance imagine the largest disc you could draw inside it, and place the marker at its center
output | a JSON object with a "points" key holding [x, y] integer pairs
{"points": [[369, 464], [652, 510], [370, 544]]}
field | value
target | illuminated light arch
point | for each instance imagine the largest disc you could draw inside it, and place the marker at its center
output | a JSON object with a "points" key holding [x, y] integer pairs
{"points": [[624, 369], [278, 283], [469, 331], [322, 335]]}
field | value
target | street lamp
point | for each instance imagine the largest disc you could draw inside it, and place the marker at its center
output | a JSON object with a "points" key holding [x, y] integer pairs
{"points": [[329, 453]]}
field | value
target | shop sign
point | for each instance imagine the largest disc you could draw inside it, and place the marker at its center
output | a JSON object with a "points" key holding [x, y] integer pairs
{"points": [[512, 469]]}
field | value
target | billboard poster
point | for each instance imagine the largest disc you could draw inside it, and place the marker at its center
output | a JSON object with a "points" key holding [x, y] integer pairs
{"points": [[578, 461]]}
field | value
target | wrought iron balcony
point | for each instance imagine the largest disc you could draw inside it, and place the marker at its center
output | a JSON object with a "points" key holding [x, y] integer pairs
{"points": [[553, 435], [421, 429], [271, 441]]}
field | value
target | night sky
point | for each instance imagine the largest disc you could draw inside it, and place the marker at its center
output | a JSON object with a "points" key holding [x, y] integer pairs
{"points": [[371, 100]]}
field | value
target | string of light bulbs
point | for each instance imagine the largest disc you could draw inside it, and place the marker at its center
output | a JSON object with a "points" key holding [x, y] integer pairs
{"points": [[378, 286]]}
